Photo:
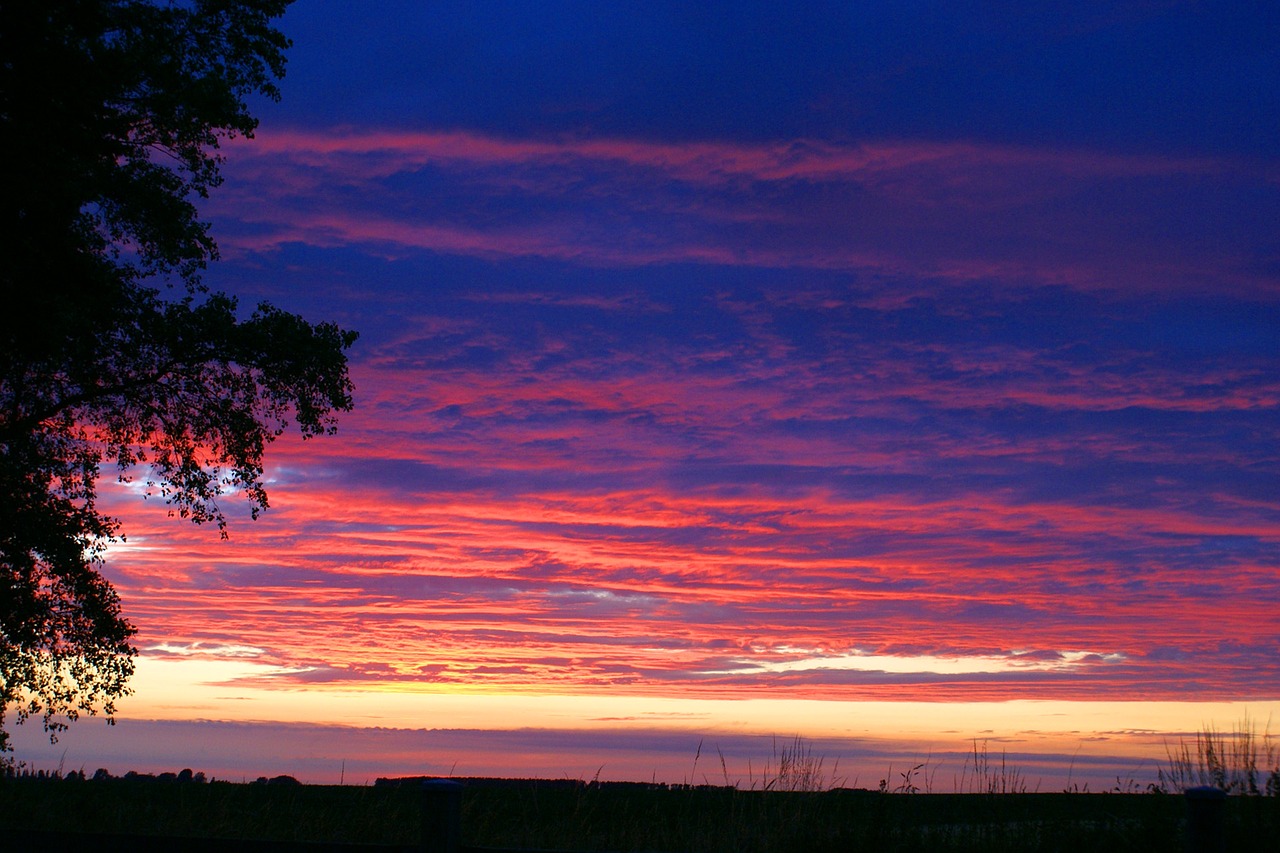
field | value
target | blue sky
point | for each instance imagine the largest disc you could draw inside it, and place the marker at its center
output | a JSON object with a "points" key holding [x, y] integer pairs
{"points": [[878, 352]]}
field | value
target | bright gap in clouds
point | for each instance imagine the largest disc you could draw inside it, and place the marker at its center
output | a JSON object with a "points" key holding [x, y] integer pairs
{"points": [[213, 650], [921, 664]]}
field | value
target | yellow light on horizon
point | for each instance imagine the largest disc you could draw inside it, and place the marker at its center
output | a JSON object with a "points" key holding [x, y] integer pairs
{"points": [[241, 690]]}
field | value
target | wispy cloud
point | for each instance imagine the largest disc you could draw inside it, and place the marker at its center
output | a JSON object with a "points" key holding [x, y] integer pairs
{"points": [[554, 485], [949, 211]]}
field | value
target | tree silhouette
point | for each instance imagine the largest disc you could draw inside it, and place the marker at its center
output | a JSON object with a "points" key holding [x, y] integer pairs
{"points": [[112, 351]]}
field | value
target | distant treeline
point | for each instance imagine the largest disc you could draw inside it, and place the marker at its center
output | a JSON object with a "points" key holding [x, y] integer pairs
{"points": [[184, 776], [481, 782], [499, 783]]}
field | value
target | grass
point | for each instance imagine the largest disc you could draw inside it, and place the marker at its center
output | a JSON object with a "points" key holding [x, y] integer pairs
{"points": [[715, 819], [983, 775], [620, 817], [214, 810], [1239, 762], [793, 766], [793, 803]]}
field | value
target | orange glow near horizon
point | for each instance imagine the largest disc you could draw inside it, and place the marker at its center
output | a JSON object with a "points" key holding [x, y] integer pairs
{"points": [[1061, 741], [709, 592]]}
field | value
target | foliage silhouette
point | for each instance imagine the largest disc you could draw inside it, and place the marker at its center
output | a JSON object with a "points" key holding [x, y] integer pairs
{"points": [[112, 350]]}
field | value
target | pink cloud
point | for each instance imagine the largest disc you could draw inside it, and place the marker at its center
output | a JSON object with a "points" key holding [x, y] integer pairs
{"points": [[572, 588], [521, 503], [713, 161], [953, 211]]}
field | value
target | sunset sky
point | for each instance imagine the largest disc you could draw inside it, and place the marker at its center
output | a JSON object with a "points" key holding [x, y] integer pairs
{"points": [[893, 374]]}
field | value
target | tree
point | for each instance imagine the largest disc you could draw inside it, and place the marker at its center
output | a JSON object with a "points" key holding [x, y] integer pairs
{"points": [[112, 350]]}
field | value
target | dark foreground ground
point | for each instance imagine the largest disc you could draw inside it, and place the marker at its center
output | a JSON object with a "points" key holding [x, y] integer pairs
{"points": [[561, 815]]}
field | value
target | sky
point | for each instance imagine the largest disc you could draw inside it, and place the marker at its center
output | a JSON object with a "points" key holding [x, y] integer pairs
{"points": [[900, 376]]}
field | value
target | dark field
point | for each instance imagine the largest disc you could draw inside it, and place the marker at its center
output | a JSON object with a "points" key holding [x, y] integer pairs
{"points": [[561, 815]]}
